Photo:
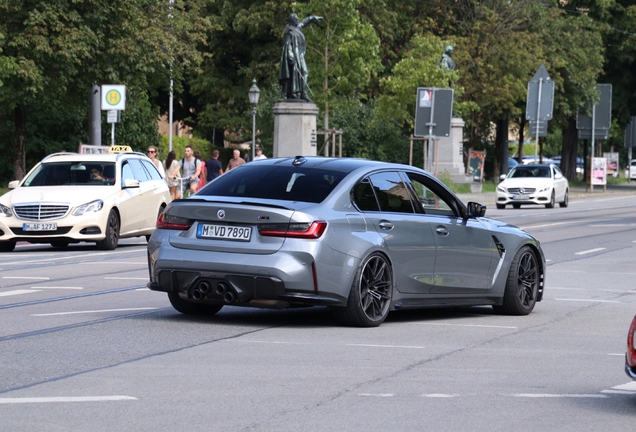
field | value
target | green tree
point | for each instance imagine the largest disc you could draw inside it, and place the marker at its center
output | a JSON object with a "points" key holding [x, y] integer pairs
{"points": [[55, 49]]}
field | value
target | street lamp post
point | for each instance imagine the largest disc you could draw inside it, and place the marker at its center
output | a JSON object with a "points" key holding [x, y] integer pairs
{"points": [[254, 94]]}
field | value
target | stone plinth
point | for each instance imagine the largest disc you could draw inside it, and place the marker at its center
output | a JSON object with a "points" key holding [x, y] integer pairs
{"points": [[450, 152], [294, 129]]}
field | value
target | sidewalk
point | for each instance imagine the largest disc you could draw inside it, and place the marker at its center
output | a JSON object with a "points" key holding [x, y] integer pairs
{"points": [[576, 192]]}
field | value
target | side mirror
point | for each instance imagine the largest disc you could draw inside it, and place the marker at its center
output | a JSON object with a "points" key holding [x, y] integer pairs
{"points": [[131, 183], [474, 210], [558, 176], [14, 184], [502, 177]]}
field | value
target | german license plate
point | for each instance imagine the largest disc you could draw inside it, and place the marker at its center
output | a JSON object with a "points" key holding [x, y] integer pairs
{"points": [[520, 197], [39, 227], [224, 232]]}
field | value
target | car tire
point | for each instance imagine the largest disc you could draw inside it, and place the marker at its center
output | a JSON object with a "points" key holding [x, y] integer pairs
{"points": [[501, 206], [551, 203], [517, 206], [566, 200], [189, 308], [370, 296], [7, 246], [522, 285], [112, 232], [59, 244]]}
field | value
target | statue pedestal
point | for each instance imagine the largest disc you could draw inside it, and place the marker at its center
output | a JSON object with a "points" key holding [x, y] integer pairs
{"points": [[294, 129], [450, 153]]}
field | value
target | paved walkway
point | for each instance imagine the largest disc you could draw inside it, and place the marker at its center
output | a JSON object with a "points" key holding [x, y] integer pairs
{"points": [[576, 192]]}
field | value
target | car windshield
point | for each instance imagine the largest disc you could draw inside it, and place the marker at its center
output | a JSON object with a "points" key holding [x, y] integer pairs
{"points": [[530, 171], [276, 182], [72, 173]]}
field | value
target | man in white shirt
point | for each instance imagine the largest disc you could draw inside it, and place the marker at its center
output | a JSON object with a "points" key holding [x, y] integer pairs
{"points": [[259, 153]]}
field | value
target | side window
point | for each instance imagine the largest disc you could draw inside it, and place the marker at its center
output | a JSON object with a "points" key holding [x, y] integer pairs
{"points": [[126, 172], [431, 202], [138, 170], [151, 170], [364, 198], [392, 193]]}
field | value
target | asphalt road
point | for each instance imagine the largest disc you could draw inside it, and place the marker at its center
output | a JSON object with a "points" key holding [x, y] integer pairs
{"points": [[84, 346]]}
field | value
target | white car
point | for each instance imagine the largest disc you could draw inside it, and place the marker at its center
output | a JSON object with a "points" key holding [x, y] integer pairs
{"points": [[70, 198], [533, 184], [632, 169]]}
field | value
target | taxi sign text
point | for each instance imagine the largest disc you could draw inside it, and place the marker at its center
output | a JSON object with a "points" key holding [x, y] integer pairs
{"points": [[119, 149]]}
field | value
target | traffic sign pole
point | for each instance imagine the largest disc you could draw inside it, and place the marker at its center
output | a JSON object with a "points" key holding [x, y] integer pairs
{"points": [[536, 140]]}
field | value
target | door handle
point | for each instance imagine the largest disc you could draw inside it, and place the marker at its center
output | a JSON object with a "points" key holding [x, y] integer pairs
{"points": [[441, 231], [385, 225]]}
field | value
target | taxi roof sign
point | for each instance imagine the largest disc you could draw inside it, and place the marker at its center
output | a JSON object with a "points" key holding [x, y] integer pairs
{"points": [[119, 149]]}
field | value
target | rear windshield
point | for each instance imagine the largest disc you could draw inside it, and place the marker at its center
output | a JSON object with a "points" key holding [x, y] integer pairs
{"points": [[275, 182], [72, 173]]}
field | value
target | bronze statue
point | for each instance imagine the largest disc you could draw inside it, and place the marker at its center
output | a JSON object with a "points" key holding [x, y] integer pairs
{"points": [[447, 62], [293, 69]]}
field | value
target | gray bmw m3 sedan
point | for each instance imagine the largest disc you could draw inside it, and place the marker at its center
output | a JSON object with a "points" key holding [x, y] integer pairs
{"points": [[361, 237]]}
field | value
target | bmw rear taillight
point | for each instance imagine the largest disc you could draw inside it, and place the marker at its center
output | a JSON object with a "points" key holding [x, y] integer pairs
{"points": [[631, 353], [173, 223], [294, 230]]}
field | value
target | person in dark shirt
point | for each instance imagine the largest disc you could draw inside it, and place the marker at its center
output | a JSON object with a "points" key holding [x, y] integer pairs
{"points": [[213, 166]]}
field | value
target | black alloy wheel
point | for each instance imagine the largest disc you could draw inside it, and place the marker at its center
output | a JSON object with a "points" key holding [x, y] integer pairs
{"points": [[522, 285], [370, 296], [112, 232]]}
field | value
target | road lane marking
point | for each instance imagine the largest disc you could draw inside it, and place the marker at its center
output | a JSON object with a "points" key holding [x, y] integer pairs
{"points": [[60, 287], [25, 277], [630, 386], [385, 346], [588, 300], [438, 395], [145, 263], [126, 278], [94, 311], [617, 354], [469, 325], [65, 399], [589, 251], [545, 225], [17, 292], [376, 394], [73, 257], [562, 395]]}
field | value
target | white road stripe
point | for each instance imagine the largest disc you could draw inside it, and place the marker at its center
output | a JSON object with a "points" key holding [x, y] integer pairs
{"points": [[630, 386], [385, 346], [438, 395], [125, 278], [73, 256], [65, 399], [60, 287], [565, 395], [94, 311], [588, 300], [469, 325], [25, 277], [589, 251], [145, 263], [17, 292], [544, 225]]}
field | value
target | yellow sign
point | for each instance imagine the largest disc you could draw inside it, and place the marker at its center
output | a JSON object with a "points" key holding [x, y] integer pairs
{"points": [[113, 97], [119, 149]]}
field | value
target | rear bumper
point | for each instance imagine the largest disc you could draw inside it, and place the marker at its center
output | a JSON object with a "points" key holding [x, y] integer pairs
{"points": [[236, 289]]}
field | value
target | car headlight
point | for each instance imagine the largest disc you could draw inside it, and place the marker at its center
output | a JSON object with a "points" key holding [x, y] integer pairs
{"points": [[501, 189], [544, 188], [5, 211], [91, 207]]}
